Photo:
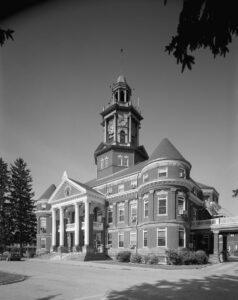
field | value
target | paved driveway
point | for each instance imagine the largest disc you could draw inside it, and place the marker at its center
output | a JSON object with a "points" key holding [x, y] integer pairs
{"points": [[90, 281]]}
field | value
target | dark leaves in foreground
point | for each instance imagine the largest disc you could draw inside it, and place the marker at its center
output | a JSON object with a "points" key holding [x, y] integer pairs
{"points": [[203, 24], [235, 193], [5, 35]]}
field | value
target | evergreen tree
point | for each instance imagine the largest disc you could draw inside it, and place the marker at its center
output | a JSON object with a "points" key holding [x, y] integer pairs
{"points": [[22, 205], [4, 219]]}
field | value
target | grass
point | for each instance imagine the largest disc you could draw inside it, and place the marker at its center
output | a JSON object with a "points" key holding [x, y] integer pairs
{"points": [[7, 278]]}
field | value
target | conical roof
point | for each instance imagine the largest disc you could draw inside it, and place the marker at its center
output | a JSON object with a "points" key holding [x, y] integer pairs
{"points": [[48, 192], [166, 150]]}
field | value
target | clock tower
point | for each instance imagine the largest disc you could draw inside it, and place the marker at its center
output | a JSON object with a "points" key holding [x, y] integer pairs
{"points": [[121, 123]]}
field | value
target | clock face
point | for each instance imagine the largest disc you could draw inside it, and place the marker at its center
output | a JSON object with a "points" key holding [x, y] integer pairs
{"points": [[122, 120]]}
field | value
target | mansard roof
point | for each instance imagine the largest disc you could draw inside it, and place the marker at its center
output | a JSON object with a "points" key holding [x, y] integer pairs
{"points": [[166, 151], [46, 195]]}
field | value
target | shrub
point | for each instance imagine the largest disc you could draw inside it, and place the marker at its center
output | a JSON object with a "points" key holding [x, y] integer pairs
{"points": [[153, 259], [201, 257], [174, 258], [136, 258], [123, 256], [236, 253], [145, 258], [189, 258]]}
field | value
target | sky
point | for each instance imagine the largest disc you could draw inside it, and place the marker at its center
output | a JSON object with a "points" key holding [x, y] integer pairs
{"points": [[55, 78]]}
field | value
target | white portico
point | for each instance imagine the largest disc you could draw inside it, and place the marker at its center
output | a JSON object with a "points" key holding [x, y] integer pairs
{"points": [[78, 214]]}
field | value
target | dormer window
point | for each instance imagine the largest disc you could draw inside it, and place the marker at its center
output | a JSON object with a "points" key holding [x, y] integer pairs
{"points": [[106, 161], [120, 188], [133, 183], [109, 189], [126, 161], [162, 172], [120, 160], [182, 173]]}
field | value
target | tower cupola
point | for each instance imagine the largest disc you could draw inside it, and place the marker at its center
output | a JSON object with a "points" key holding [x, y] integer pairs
{"points": [[121, 123]]}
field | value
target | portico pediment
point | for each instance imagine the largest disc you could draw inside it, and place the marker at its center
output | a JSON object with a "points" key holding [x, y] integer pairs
{"points": [[69, 189], [66, 190]]}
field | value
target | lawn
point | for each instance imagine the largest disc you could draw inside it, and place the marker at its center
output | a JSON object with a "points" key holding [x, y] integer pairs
{"points": [[6, 278]]}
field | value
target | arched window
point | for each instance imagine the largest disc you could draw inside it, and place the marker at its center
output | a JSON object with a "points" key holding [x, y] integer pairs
{"points": [[122, 137], [122, 96]]}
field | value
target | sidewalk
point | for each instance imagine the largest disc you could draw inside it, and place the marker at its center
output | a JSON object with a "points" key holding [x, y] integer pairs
{"points": [[120, 266]]}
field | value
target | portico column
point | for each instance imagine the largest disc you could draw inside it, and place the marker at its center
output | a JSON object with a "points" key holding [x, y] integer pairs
{"points": [[61, 227], [53, 228], [216, 245], [86, 219], [76, 240]]}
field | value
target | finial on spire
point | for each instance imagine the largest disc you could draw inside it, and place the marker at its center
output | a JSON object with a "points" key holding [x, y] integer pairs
{"points": [[64, 176]]}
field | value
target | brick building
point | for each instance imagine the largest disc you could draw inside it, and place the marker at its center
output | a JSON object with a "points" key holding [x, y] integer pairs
{"points": [[137, 202]]}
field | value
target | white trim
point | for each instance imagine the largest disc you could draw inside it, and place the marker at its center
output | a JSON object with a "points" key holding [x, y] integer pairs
{"points": [[166, 202], [77, 186], [145, 200], [121, 188], [43, 238], [181, 198], [134, 233], [121, 207], [162, 170], [161, 163], [180, 228], [145, 230], [122, 234], [164, 229]]}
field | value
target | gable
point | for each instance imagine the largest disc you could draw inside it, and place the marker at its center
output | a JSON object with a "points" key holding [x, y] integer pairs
{"points": [[66, 189]]}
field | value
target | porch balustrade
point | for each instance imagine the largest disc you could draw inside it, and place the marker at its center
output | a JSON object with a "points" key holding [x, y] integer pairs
{"points": [[215, 223]]}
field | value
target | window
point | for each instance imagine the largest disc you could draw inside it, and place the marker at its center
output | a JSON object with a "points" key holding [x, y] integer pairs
{"points": [[181, 205], [120, 188], [43, 225], [146, 208], [133, 213], [120, 160], [181, 237], [109, 189], [134, 183], [162, 204], [126, 161], [106, 161], [194, 214], [122, 137], [121, 215], [161, 240], [145, 238], [162, 172], [43, 243], [132, 239], [121, 240], [109, 239], [182, 173], [145, 177], [109, 214]]}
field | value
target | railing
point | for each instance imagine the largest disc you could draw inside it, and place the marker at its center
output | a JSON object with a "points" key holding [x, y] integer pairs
{"points": [[216, 223], [96, 226], [70, 227]]}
